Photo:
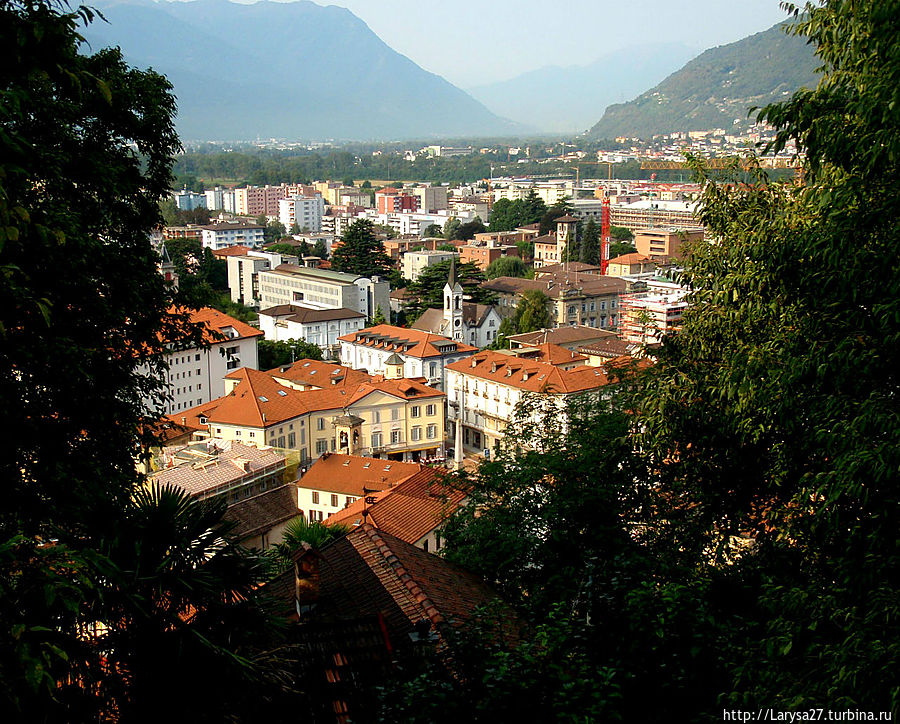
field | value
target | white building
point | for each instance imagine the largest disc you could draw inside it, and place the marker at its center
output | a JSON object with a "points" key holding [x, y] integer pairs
{"points": [[323, 289], [414, 262], [305, 211], [321, 327], [196, 375], [483, 390], [243, 283], [420, 354], [215, 199], [223, 236]]}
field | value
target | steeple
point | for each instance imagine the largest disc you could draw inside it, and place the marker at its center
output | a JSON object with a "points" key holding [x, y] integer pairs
{"points": [[453, 301]]}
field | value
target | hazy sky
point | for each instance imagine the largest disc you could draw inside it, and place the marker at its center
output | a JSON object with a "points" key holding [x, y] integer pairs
{"points": [[471, 42]]}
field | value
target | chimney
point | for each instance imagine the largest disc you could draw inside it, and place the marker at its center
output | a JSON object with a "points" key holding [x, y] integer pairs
{"points": [[306, 577]]}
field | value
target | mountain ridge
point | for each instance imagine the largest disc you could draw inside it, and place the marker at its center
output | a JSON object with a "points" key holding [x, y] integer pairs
{"points": [[296, 70], [717, 88]]}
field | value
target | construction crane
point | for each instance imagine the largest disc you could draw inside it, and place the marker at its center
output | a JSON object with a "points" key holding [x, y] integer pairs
{"points": [[720, 162], [604, 236]]}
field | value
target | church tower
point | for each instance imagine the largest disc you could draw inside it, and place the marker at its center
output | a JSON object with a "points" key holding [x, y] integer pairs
{"points": [[453, 301], [167, 267]]}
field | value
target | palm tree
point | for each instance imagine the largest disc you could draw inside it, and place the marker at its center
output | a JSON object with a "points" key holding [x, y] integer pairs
{"points": [[178, 615]]}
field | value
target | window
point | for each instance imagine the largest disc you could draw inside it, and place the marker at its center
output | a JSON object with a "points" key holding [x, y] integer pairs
{"points": [[376, 416], [197, 358], [320, 423], [349, 500], [237, 433], [198, 371], [395, 437], [321, 446], [315, 497], [252, 434], [292, 440], [431, 432], [376, 439], [416, 433], [415, 410], [334, 501], [395, 413]]}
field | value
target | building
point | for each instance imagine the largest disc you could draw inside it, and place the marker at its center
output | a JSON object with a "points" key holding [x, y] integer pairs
{"points": [[648, 316], [573, 299], [411, 353], [663, 244], [305, 211], [221, 236], [629, 264], [250, 479], [396, 419], [416, 261], [653, 214], [484, 254], [336, 481], [570, 338], [431, 198], [414, 509], [243, 270], [484, 390], [258, 201], [393, 201], [475, 324], [188, 200], [196, 375], [215, 199], [321, 327], [323, 288]]}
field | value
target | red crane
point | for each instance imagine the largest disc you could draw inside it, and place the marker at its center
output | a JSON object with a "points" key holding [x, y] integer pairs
{"points": [[604, 236]]}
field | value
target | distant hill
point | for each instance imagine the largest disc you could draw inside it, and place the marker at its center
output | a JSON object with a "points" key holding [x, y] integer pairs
{"points": [[570, 99], [717, 88], [286, 70]]}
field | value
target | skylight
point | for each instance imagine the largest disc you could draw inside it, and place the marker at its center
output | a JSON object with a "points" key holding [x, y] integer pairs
{"points": [[367, 465], [263, 399], [282, 393]]}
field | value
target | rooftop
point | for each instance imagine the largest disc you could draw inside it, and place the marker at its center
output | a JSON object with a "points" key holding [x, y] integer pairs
{"points": [[352, 474], [409, 342]]}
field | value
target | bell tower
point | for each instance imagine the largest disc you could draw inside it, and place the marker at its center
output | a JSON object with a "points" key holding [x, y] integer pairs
{"points": [[453, 301]]}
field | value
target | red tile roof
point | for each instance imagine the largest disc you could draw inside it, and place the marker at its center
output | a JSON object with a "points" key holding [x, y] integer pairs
{"points": [[369, 571], [411, 342], [349, 474], [409, 510], [219, 322], [529, 375]]}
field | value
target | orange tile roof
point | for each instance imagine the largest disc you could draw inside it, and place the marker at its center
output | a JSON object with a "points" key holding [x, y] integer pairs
{"points": [[349, 474], [231, 250], [550, 353], [632, 258], [258, 400], [529, 375], [411, 342], [410, 510], [319, 374]]}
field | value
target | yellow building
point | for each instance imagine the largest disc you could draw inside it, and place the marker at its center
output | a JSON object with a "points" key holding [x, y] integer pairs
{"points": [[311, 408]]}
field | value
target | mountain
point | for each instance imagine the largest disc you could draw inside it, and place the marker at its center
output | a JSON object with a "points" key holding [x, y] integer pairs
{"points": [[716, 89], [566, 99], [286, 70]]}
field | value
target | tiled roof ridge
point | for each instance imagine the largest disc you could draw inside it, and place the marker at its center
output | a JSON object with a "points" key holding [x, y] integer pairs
{"points": [[403, 575]]}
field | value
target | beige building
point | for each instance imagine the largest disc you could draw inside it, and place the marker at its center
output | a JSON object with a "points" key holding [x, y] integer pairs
{"points": [[415, 262], [648, 316], [664, 244], [629, 264], [323, 289], [573, 299]]}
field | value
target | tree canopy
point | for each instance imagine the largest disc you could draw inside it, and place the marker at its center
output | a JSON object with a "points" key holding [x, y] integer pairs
{"points": [[361, 252], [88, 605], [273, 354], [506, 266], [427, 291], [507, 215]]}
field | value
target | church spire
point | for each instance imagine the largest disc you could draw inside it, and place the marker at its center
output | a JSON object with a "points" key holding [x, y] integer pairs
{"points": [[451, 280]]}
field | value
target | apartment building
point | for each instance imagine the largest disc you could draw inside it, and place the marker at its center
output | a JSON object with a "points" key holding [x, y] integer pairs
{"points": [[222, 236], [430, 198], [305, 211], [323, 289], [484, 390], [196, 375], [654, 213], [662, 244], [414, 262], [629, 264], [243, 283], [394, 201], [648, 316]]}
